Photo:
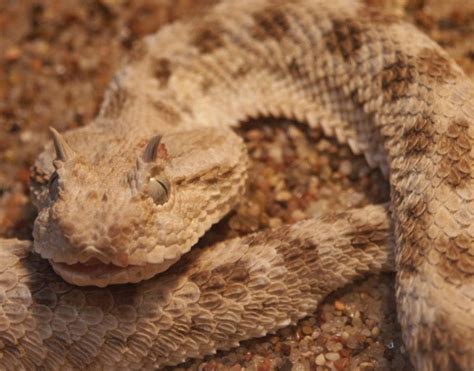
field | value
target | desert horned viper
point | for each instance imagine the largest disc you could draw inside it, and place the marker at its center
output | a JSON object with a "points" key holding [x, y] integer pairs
{"points": [[125, 197]]}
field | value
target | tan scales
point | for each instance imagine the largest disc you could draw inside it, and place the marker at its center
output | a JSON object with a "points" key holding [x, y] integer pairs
{"points": [[119, 204]]}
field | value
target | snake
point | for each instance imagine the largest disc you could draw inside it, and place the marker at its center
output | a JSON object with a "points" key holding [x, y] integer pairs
{"points": [[111, 280]]}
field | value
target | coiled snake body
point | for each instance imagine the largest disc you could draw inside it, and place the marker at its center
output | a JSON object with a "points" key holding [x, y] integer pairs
{"points": [[125, 197]]}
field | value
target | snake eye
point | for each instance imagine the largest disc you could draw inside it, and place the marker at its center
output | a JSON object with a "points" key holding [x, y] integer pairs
{"points": [[54, 187], [159, 189]]}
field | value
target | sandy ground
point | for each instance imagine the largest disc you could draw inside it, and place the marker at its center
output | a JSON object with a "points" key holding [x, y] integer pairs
{"points": [[56, 58]]}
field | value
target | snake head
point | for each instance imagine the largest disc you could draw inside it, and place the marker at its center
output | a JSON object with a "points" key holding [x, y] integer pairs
{"points": [[123, 210]]}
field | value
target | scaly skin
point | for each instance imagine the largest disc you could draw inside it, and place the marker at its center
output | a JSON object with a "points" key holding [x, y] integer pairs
{"points": [[211, 300], [368, 79]]}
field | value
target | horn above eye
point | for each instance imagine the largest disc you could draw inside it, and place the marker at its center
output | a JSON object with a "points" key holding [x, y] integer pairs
{"points": [[63, 151], [151, 149]]}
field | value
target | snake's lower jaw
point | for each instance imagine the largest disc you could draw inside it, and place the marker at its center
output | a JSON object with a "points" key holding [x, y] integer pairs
{"points": [[101, 275]]}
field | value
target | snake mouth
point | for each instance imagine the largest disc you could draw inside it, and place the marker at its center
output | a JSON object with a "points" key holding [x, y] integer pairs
{"points": [[96, 273]]}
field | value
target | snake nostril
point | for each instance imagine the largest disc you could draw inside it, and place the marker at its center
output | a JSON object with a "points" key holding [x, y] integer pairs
{"points": [[105, 198]]}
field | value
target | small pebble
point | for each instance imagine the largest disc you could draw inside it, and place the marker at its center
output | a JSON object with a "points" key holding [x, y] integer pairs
{"points": [[332, 356], [366, 366], [320, 360], [345, 167], [375, 331], [12, 54], [299, 366], [298, 215], [339, 305], [307, 330], [353, 343], [254, 135], [334, 346], [275, 222], [283, 196]]}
